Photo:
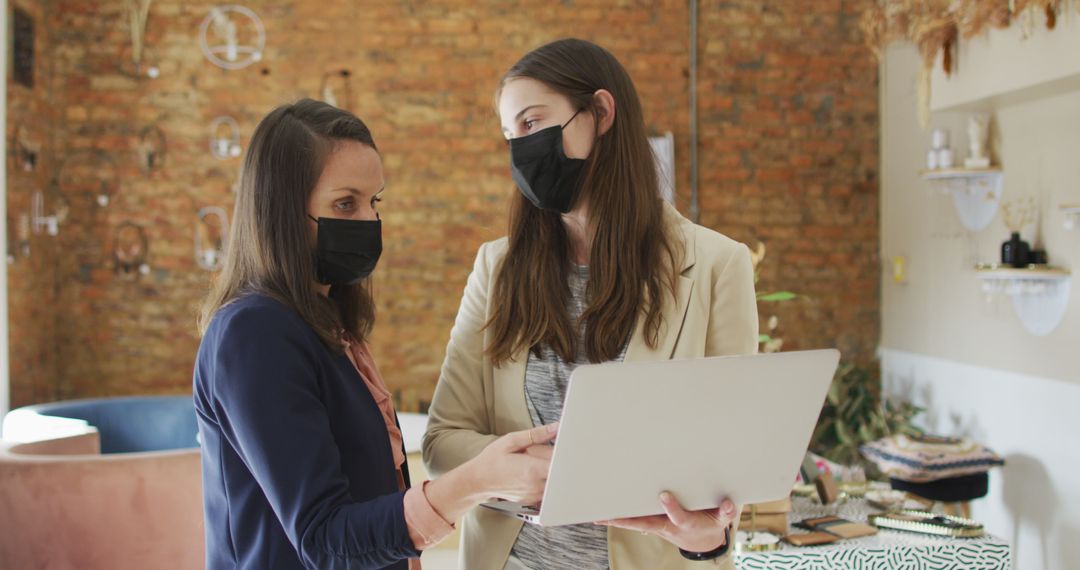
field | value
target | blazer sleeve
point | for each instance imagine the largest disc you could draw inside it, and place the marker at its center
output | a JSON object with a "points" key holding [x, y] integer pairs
{"points": [[459, 423], [733, 322], [268, 405]]}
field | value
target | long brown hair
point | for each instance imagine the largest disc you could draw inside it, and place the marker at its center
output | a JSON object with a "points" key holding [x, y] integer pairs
{"points": [[270, 250], [633, 254]]}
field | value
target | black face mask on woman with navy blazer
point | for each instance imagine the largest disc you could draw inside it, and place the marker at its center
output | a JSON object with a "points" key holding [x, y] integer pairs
{"points": [[346, 251]]}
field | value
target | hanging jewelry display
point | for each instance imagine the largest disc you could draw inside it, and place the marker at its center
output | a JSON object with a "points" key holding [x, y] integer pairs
{"points": [[130, 250], [24, 149], [339, 96], [39, 221], [138, 11], [220, 35], [225, 138], [94, 160], [151, 149], [211, 239]]}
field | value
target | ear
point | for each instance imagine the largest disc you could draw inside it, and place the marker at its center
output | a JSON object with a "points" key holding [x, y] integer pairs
{"points": [[605, 110]]}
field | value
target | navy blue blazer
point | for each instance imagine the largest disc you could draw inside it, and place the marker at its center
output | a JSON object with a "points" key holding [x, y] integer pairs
{"points": [[296, 463]]}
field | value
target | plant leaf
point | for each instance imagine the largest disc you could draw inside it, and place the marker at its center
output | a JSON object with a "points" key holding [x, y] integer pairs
{"points": [[776, 297]]}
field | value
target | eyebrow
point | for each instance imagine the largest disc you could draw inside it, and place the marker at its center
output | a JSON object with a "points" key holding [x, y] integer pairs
{"points": [[357, 192]]}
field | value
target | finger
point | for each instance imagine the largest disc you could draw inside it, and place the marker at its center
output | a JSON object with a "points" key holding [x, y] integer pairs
{"points": [[519, 440], [542, 451], [678, 515], [727, 513]]}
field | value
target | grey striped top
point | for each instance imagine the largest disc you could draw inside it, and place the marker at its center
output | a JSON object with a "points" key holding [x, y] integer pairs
{"points": [[582, 547]]}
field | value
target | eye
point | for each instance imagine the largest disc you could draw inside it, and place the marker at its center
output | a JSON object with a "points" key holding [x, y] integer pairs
{"points": [[346, 205], [529, 124]]}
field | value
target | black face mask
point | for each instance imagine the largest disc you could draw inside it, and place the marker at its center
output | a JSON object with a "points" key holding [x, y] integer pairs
{"points": [[543, 172], [346, 251]]}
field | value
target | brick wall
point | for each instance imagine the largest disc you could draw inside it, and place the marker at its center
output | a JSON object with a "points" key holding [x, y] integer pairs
{"points": [[788, 156]]}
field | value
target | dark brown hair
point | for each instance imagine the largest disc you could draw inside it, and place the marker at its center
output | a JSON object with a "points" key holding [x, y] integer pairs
{"points": [[633, 254], [270, 250]]}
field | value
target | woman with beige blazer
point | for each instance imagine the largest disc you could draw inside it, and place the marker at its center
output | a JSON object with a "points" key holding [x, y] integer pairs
{"points": [[590, 244]]}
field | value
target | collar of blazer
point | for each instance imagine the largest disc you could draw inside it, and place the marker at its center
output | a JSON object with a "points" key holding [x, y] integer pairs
{"points": [[512, 373]]}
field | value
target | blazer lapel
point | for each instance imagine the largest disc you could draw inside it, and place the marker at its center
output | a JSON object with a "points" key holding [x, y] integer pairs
{"points": [[674, 314]]}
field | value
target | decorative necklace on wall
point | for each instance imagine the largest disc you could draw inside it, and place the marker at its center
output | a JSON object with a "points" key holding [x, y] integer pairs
{"points": [[151, 149], [138, 11], [131, 247], [221, 33], [24, 149], [211, 239], [341, 95], [225, 138], [80, 166]]}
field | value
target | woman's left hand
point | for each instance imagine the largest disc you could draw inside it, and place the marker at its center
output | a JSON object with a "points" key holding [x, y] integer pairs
{"points": [[694, 531]]}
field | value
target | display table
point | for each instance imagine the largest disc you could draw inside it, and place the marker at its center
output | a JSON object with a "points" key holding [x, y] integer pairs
{"points": [[888, 549]]}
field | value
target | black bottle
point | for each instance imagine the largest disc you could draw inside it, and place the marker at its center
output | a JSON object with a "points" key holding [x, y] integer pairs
{"points": [[1015, 251]]}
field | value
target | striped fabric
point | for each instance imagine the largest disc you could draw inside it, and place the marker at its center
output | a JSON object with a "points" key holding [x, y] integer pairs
{"points": [[929, 458]]}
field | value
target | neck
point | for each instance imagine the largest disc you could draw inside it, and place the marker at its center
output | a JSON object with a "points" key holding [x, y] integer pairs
{"points": [[576, 222]]}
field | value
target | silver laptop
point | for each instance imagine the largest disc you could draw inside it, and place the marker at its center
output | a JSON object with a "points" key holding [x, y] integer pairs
{"points": [[704, 429]]}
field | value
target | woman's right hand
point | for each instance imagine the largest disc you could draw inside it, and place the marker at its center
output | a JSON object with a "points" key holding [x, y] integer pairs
{"points": [[515, 466]]}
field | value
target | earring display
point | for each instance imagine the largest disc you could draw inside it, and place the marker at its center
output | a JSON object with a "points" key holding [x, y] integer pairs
{"points": [[151, 149], [130, 250], [211, 238], [225, 138], [232, 37]]}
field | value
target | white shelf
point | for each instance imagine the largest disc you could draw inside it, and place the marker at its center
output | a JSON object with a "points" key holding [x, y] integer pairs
{"points": [[1072, 215], [976, 193], [1039, 295]]}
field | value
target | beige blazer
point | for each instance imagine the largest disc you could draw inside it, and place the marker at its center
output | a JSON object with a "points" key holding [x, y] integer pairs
{"points": [[714, 313]]}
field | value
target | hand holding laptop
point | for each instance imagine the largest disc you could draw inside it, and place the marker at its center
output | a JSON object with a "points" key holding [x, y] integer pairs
{"points": [[517, 465], [693, 531]]}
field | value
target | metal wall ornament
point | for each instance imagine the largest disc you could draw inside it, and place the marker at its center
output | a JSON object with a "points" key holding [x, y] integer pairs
{"points": [[211, 239], [220, 37], [225, 138], [336, 89], [151, 149], [131, 247]]}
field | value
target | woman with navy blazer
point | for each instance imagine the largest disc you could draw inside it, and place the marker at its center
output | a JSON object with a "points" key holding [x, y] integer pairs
{"points": [[303, 464]]}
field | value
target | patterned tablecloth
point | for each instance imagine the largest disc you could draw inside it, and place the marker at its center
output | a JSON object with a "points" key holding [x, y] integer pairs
{"points": [[886, 550]]}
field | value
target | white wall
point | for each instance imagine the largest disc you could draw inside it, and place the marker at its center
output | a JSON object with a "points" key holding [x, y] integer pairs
{"points": [[4, 354], [1034, 501], [945, 344]]}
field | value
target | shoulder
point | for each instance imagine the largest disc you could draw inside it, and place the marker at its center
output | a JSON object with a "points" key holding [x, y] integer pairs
{"points": [[257, 316], [703, 247]]}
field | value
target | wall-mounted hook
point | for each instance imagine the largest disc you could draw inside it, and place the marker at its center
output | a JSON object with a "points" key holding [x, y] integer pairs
{"points": [[211, 257], [131, 246], [225, 138]]}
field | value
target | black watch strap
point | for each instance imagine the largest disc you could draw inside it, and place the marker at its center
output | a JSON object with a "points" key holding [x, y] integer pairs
{"points": [[712, 554]]}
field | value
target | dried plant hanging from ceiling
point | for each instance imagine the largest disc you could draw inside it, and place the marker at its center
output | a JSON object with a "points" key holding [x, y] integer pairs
{"points": [[937, 27]]}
